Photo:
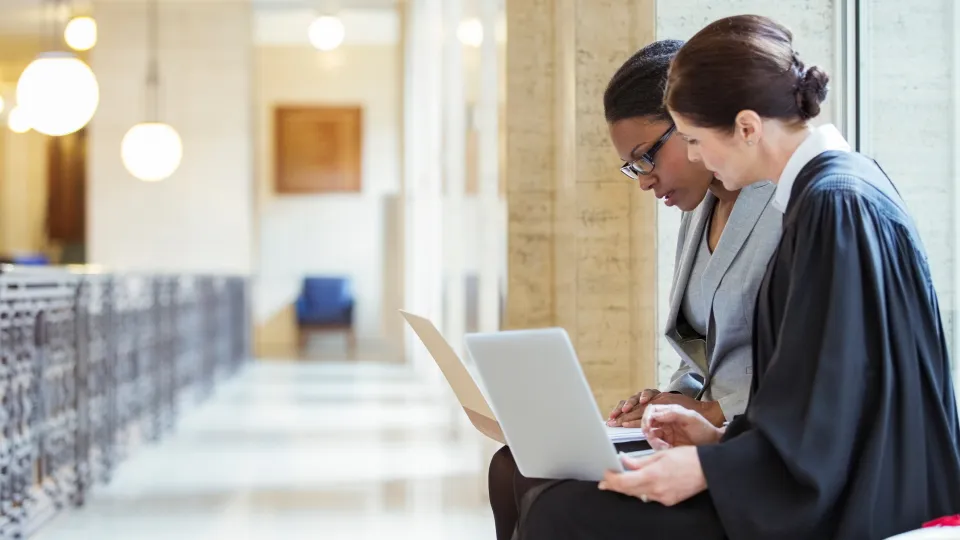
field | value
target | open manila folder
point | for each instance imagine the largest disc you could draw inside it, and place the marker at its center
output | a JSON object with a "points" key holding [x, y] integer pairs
{"points": [[466, 390]]}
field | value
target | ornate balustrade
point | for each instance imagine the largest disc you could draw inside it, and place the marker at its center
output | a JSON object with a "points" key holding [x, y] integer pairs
{"points": [[92, 365]]}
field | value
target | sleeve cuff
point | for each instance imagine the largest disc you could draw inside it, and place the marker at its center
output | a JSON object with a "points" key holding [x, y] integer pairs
{"points": [[733, 405], [686, 385]]}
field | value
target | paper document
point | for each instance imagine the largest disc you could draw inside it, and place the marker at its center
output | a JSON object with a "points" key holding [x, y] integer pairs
{"points": [[622, 434]]}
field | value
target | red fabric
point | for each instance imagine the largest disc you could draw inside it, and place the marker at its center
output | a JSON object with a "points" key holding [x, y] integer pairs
{"points": [[946, 521]]}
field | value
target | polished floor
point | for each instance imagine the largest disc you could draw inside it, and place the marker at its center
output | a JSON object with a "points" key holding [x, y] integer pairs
{"points": [[302, 451]]}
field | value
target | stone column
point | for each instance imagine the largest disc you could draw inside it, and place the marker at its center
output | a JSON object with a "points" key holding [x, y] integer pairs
{"points": [[490, 215], [454, 172], [582, 238], [422, 183]]}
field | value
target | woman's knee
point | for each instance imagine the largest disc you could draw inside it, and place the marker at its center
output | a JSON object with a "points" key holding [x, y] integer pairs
{"points": [[574, 509], [502, 468], [552, 514], [502, 462]]}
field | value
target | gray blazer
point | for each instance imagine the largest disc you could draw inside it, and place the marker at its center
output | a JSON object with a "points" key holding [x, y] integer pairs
{"points": [[719, 366]]}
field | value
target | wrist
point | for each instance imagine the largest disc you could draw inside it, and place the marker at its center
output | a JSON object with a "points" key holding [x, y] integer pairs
{"points": [[712, 411], [702, 477]]}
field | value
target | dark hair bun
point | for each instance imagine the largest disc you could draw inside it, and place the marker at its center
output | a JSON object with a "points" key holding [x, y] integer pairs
{"points": [[744, 62], [811, 91]]}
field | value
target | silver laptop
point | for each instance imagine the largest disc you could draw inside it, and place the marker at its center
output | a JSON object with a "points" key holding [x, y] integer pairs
{"points": [[538, 392], [468, 393]]}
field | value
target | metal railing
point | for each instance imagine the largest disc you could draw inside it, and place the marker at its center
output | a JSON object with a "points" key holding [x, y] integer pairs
{"points": [[91, 365]]}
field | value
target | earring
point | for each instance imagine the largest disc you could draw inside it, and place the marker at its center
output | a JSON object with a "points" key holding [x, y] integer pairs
{"points": [[749, 143]]}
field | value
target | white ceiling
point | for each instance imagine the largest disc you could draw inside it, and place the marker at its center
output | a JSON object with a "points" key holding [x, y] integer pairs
{"points": [[362, 26], [332, 5], [24, 17]]}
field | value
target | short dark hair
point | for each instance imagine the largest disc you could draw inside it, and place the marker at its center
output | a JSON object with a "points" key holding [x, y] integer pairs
{"points": [[636, 89], [743, 62]]}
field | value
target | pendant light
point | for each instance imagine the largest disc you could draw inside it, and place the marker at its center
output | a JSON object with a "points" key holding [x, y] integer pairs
{"points": [[16, 121], [151, 151], [81, 33], [470, 33], [326, 33], [58, 92]]}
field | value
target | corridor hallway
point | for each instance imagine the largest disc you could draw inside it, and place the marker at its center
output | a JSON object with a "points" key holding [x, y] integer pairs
{"points": [[293, 450]]}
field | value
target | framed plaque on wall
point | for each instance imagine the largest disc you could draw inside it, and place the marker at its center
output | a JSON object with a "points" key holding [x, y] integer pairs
{"points": [[317, 149]]}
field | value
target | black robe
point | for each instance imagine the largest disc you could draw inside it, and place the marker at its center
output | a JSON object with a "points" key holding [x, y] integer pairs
{"points": [[851, 431]]}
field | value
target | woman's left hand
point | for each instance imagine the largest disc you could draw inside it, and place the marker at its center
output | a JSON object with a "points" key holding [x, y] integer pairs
{"points": [[668, 477]]}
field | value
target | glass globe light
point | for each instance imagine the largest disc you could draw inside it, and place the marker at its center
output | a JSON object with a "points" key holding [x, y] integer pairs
{"points": [[151, 151], [326, 33], [81, 33], [58, 93], [470, 33], [17, 121]]}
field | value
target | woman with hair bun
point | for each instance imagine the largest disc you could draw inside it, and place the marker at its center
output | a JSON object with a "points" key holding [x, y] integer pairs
{"points": [[723, 244], [851, 429]]}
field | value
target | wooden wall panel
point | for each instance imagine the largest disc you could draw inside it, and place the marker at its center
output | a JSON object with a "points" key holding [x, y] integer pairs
{"points": [[318, 149], [66, 191]]}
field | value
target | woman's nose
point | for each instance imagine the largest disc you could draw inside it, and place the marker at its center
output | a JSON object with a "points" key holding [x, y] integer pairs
{"points": [[692, 153]]}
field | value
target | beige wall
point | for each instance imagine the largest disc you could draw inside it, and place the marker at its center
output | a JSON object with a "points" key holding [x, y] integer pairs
{"points": [[200, 219], [23, 191], [23, 164], [342, 234]]}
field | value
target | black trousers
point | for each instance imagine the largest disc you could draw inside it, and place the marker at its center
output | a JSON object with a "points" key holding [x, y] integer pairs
{"points": [[569, 509], [574, 510]]}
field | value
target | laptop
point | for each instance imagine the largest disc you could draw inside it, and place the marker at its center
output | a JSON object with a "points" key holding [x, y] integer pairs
{"points": [[468, 393], [544, 405]]}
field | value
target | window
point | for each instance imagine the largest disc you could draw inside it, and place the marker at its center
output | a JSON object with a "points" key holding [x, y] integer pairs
{"points": [[907, 118]]}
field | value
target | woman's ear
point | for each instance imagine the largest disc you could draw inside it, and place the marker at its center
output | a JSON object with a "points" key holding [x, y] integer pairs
{"points": [[748, 127]]}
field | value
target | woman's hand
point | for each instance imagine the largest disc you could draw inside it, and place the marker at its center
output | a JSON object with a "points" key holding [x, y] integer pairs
{"points": [[708, 409], [634, 404], [667, 426], [669, 477]]}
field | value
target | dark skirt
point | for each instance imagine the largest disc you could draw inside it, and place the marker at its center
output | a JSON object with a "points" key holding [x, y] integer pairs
{"points": [[508, 487], [570, 509]]}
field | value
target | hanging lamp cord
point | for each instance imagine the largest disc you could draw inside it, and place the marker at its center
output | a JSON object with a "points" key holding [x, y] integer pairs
{"points": [[153, 70], [58, 25], [48, 41]]}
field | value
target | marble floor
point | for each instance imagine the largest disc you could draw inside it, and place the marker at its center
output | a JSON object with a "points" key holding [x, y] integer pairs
{"points": [[299, 450]]}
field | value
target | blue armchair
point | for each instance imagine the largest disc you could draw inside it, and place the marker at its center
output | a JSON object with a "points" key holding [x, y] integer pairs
{"points": [[28, 259], [326, 303]]}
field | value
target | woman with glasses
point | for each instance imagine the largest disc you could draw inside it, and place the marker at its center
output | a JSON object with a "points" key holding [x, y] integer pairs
{"points": [[725, 239], [851, 431]]}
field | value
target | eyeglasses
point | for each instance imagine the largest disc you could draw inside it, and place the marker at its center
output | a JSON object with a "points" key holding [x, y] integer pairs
{"points": [[644, 165]]}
